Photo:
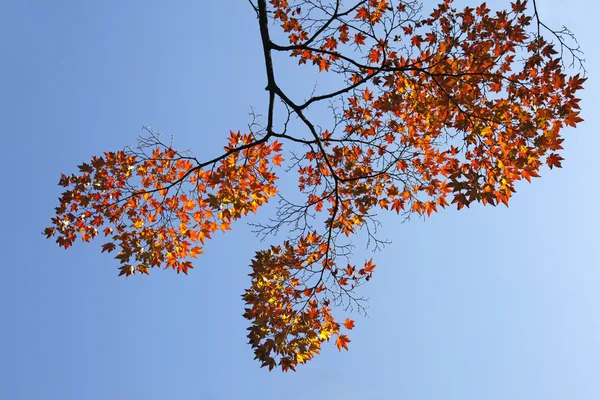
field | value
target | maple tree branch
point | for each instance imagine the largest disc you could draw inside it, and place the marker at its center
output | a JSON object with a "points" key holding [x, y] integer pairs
{"points": [[390, 145], [254, 8], [274, 89], [574, 51], [335, 15], [315, 99], [263, 22], [310, 126], [264, 30]]}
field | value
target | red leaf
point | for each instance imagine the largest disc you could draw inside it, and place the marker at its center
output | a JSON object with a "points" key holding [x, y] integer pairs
{"points": [[342, 342], [349, 324]]}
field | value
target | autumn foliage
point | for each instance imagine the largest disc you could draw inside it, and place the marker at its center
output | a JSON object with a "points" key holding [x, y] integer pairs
{"points": [[453, 107]]}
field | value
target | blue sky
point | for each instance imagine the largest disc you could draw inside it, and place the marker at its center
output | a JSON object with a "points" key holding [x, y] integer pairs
{"points": [[485, 303]]}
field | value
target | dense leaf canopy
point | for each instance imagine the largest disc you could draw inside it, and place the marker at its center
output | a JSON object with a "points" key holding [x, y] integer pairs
{"points": [[435, 107]]}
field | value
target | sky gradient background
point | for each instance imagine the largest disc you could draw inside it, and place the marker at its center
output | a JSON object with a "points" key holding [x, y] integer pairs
{"points": [[485, 303]]}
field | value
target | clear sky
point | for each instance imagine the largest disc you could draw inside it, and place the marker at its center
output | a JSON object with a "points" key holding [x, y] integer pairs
{"points": [[485, 303]]}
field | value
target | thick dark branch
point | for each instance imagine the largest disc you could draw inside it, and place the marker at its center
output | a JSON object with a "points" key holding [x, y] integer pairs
{"points": [[263, 21]]}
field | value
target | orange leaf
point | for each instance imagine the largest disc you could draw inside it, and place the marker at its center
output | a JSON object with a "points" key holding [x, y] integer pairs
{"points": [[554, 160], [277, 160], [349, 324], [369, 266], [342, 342]]}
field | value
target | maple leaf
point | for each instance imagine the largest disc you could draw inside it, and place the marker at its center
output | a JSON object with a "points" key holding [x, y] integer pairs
{"points": [[342, 342], [108, 247], [349, 324], [277, 160], [362, 13], [554, 160], [277, 146], [359, 38], [573, 119], [369, 266], [374, 56], [416, 41]]}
